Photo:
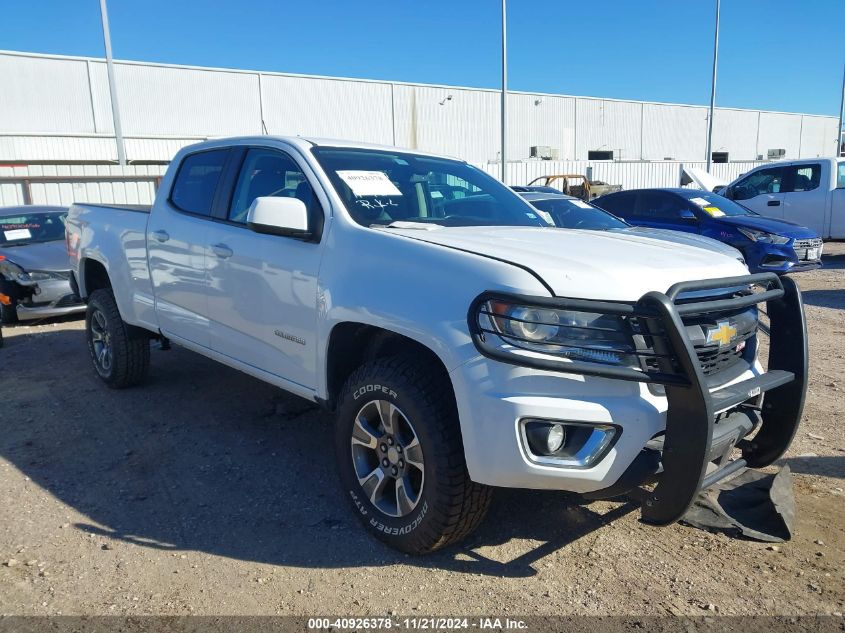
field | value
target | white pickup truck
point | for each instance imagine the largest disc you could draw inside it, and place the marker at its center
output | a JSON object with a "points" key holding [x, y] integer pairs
{"points": [[460, 341], [809, 192]]}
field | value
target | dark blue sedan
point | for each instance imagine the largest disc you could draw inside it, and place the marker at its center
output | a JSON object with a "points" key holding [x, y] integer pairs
{"points": [[768, 245]]}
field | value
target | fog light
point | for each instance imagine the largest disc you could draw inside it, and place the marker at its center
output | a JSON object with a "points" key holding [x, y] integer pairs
{"points": [[566, 444], [545, 438]]}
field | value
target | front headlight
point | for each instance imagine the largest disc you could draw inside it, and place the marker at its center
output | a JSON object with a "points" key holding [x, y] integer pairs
{"points": [[33, 277], [762, 236], [582, 336]]}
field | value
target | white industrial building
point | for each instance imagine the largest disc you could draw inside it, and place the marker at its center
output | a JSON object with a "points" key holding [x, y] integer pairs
{"points": [[56, 110]]}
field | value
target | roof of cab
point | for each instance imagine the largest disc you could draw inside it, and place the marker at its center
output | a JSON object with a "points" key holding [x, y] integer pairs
{"points": [[305, 142]]}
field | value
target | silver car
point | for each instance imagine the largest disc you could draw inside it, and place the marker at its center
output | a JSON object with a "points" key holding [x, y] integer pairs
{"points": [[569, 212], [34, 265]]}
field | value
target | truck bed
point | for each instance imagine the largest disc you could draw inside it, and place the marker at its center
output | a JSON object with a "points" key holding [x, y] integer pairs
{"points": [[115, 238], [136, 208]]}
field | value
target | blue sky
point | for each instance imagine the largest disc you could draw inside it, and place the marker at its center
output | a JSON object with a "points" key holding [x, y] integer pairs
{"points": [[774, 54]]}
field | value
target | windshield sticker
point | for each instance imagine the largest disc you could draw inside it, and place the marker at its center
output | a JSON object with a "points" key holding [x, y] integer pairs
{"points": [[368, 183], [699, 201], [436, 194], [581, 203], [715, 212], [531, 215], [17, 234], [546, 216]]}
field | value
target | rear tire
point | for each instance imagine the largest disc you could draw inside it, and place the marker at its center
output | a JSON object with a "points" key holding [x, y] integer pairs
{"points": [[9, 313], [120, 352], [430, 502]]}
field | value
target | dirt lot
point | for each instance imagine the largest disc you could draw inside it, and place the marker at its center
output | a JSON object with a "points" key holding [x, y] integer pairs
{"points": [[209, 492]]}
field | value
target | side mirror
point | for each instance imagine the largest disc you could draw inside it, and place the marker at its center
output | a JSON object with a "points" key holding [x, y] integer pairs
{"points": [[686, 214], [279, 216]]}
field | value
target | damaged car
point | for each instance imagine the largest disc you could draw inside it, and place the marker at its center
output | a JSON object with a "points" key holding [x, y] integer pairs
{"points": [[34, 265]]}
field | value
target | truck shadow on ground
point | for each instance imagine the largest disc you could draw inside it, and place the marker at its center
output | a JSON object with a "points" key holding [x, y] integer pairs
{"points": [[827, 298], [824, 465], [205, 458], [834, 262]]}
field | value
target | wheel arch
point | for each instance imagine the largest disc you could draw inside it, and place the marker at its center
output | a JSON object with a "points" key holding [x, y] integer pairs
{"points": [[351, 344], [93, 276]]}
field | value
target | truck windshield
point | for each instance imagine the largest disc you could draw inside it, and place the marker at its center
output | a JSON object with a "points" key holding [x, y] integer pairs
{"points": [[381, 187], [31, 228], [714, 200]]}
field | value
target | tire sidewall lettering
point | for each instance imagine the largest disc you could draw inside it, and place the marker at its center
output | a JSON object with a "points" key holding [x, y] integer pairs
{"points": [[374, 389], [390, 530]]}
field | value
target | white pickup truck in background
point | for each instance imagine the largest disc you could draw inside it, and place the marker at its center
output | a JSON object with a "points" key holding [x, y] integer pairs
{"points": [[460, 341], [809, 192]]}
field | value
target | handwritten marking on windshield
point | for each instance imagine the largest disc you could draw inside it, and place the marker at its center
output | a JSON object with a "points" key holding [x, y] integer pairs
{"points": [[376, 203]]}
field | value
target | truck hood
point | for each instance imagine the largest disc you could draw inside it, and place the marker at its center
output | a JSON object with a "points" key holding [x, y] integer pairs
{"points": [[46, 256], [702, 178], [585, 264], [679, 237], [770, 225]]}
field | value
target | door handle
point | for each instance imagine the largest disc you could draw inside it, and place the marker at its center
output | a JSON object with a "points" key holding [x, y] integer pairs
{"points": [[161, 236], [222, 251], [773, 203]]}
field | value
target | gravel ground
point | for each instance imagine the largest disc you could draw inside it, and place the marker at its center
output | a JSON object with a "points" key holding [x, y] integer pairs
{"points": [[209, 492]]}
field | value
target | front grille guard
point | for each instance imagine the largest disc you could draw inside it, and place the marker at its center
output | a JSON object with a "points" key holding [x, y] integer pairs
{"points": [[692, 406]]}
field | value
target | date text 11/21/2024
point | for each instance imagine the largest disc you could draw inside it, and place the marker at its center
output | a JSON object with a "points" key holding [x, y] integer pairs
{"points": [[416, 623]]}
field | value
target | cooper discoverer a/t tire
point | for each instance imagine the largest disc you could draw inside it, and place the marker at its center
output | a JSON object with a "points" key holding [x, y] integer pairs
{"points": [[400, 456]]}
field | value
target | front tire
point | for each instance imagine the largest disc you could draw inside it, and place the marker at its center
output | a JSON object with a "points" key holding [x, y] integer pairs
{"points": [[120, 353], [400, 457]]}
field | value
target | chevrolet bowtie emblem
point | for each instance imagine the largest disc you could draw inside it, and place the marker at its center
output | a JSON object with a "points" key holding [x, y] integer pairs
{"points": [[723, 333]]}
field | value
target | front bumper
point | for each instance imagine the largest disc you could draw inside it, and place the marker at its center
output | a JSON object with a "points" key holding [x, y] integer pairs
{"points": [[795, 256], [49, 298], [671, 423]]}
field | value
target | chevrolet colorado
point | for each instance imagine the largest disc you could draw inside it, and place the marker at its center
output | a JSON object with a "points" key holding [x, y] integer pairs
{"points": [[461, 342]]}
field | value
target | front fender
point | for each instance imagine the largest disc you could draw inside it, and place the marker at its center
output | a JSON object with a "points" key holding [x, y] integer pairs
{"points": [[413, 288]]}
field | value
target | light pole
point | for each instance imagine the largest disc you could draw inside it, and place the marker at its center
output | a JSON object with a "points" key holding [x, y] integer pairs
{"points": [[115, 111], [841, 119], [504, 91], [713, 90]]}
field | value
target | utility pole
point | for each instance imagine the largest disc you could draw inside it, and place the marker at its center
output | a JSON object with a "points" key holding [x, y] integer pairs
{"points": [[839, 151], [504, 92], [713, 89], [115, 110]]}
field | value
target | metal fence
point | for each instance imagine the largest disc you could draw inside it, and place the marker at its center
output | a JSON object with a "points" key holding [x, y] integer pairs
{"points": [[136, 184], [66, 184], [631, 175]]}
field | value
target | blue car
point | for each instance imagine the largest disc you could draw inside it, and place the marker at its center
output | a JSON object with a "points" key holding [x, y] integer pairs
{"points": [[768, 245]]}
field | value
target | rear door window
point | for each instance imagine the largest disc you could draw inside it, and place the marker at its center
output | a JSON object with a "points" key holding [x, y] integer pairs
{"points": [[196, 182], [840, 179], [657, 205], [802, 178], [621, 204]]}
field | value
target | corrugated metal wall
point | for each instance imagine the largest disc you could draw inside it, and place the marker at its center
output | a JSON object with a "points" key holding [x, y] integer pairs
{"points": [[135, 184], [66, 184], [605, 125], [631, 175], [58, 109]]}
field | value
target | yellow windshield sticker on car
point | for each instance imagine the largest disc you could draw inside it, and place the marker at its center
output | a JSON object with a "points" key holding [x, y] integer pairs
{"points": [[715, 212]]}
